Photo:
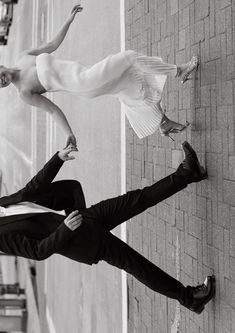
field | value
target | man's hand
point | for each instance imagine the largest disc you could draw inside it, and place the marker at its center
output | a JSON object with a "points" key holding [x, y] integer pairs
{"points": [[76, 9], [64, 153], [74, 220]]}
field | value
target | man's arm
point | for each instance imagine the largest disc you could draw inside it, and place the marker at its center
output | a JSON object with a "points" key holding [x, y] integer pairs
{"points": [[45, 176], [58, 39], [20, 245]]}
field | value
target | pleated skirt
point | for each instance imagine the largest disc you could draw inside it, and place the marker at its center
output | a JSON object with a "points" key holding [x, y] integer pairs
{"points": [[141, 87]]}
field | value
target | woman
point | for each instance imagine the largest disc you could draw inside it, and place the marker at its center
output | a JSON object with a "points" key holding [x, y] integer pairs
{"points": [[136, 80]]}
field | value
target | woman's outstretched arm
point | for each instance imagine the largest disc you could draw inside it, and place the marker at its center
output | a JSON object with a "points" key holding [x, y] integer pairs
{"points": [[58, 39], [44, 103]]}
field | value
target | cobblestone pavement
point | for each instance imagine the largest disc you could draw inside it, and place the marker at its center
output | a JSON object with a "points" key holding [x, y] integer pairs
{"points": [[192, 234]]}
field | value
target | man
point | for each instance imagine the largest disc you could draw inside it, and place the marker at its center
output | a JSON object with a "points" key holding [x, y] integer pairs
{"points": [[34, 226]]}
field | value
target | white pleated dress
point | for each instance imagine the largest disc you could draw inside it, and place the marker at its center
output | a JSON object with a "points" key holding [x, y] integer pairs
{"points": [[136, 80]]}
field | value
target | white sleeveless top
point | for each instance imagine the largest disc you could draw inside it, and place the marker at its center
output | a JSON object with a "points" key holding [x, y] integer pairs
{"points": [[63, 75]]}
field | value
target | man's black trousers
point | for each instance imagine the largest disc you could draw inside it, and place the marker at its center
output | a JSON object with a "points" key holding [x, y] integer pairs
{"points": [[112, 212]]}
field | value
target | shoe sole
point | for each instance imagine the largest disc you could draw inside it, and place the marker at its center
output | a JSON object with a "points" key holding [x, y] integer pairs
{"points": [[212, 294], [201, 171]]}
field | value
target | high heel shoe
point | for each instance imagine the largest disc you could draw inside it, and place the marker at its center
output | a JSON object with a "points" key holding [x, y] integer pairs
{"points": [[168, 126], [192, 67]]}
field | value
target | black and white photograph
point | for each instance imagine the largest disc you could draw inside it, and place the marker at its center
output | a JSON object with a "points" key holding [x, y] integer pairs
{"points": [[117, 166]]}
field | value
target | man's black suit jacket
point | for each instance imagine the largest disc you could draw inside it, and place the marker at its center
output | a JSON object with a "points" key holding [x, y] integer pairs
{"points": [[39, 235]]}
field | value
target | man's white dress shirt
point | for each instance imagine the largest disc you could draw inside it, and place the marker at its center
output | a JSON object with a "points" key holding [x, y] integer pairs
{"points": [[27, 207]]}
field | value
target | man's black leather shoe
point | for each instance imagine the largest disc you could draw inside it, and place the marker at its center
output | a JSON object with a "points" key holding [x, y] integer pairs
{"points": [[195, 172], [202, 294]]}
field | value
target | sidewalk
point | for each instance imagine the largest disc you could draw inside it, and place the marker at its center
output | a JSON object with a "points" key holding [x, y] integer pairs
{"points": [[191, 234]]}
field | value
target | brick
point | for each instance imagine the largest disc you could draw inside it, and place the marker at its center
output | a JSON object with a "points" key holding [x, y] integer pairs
{"points": [[195, 227], [228, 17], [222, 3], [205, 96], [130, 4], [185, 3], [179, 220], [174, 6], [220, 178], [138, 10], [205, 46], [199, 31], [215, 210], [229, 48], [218, 237], [225, 161], [226, 252], [148, 167], [187, 264], [129, 17], [159, 172], [191, 244], [223, 48], [229, 41], [232, 269], [185, 17], [187, 96], [232, 241], [146, 6], [233, 320], [137, 168], [182, 40], [232, 167], [222, 117], [159, 156], [201, 207], [226, 315], [193, 327], [208, 73], [149, 157], [216, 142], [172, 100], [201, 118], [212, 18], [213, 258], [227, 93], [184, 199], [220, 21], [223, 215], [213, 102], [214, 47], [176, 158], [229, 192], [201, 9], [162, 12]]}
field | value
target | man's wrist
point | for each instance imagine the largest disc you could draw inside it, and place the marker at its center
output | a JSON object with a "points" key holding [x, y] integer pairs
{"points": [[59, 154]]}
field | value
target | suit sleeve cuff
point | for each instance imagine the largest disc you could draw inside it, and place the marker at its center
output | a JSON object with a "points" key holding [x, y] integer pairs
{"points": [[57, 159]]}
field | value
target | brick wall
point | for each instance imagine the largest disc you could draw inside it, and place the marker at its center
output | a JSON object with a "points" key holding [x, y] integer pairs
{"points": [[191, 234]]}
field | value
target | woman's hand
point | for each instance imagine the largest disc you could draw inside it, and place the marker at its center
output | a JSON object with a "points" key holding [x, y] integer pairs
{"points": [[76, 9], [64, 153], [71, 140]]}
